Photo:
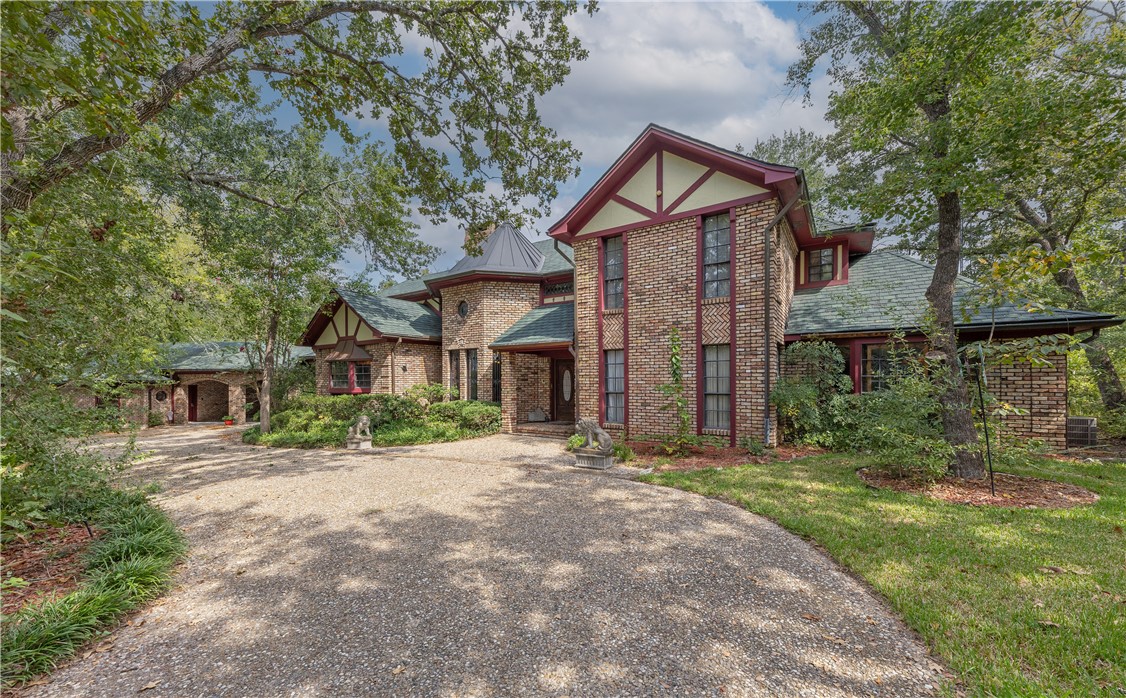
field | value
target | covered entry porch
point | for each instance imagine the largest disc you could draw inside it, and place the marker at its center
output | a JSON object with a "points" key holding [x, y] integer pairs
{"points": [[538, 372]]}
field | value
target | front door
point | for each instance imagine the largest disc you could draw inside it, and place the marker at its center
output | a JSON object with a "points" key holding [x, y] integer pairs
{"points": [[564, 389], [193, 398]]}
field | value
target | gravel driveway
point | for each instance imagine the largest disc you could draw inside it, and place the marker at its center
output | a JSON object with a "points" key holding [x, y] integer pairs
{"points": [[482, 568]]}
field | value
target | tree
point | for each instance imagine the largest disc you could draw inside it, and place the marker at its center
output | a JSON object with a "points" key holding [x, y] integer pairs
{"points": [[911, 83], [278, 216], [1055, 206], [83, 79], [806, 150]]}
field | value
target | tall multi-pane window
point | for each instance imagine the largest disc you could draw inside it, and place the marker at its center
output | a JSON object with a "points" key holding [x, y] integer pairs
{"points": [[363, 375], [615, 386], [613, 273], [881, 362], [717, 256], [339, 372], [717, 386], [471, 372], [455, 373], [821, 264], [496, 377]]}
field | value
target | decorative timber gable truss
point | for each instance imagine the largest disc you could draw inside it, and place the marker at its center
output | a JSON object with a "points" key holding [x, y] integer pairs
{"points": [[665, 175]]}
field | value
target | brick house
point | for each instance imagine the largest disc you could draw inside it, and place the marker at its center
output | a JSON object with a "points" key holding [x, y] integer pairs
{"points": [[677, 233], [194, 382]]}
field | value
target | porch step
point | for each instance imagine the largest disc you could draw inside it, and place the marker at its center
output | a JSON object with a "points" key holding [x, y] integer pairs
{"points": [[555, 430]]}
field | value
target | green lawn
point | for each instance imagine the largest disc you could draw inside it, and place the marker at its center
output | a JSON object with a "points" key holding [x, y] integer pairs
{"points": [[968, 579]]}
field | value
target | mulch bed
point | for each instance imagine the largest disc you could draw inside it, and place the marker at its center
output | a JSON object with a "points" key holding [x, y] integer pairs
{"points": [[1013, 491], [50, 560], [701, 457]]}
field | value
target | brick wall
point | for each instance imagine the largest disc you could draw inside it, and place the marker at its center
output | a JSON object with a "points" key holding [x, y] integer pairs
{"points": [[423, 363], [662, 288], [494, 306], [1042, 391], [525, 384], [219, 394]]}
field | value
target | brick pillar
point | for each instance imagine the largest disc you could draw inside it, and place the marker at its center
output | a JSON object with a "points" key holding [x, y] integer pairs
{"points": [[180, 392], [508, 392], [236, 402]]}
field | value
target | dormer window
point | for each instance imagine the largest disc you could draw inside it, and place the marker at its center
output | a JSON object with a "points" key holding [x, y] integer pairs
{"points": [[821, 265]]}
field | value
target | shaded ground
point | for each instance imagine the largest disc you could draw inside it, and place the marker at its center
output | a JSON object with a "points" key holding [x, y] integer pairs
{"points": [[487, 567], [48, 561], [1007, 491]]}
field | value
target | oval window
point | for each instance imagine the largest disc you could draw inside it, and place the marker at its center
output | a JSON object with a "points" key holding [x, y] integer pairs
{"points": [[463, 308], [567, 385]]}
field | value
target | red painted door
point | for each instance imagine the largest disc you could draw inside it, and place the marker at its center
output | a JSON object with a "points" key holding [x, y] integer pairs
{"points": [[193, 397]]}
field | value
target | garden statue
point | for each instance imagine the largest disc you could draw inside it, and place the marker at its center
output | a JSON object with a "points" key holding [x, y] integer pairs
{"points": [[597, 449], [359, 434]]}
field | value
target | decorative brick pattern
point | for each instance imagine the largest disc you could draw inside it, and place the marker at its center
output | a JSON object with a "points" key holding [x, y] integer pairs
{"points": [[716, 322], [494, 306], [1041, 391], [613, 330]]}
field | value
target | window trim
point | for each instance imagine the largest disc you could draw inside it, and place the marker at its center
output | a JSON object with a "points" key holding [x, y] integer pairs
{"points": [[471, 374], [809, 265], [606, 392], [496, 376], [455, 371], [704, 247], [602, 272], [724, 362], [351, 387]]}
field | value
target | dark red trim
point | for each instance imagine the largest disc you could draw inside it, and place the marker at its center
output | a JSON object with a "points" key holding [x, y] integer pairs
{"points": [[625, 332], [633, 206], [531, 348], [680, 215], [731, 325], [598, 320], [472, 277], [692, 188], [840, 256], [699, 334], [660, 181]]}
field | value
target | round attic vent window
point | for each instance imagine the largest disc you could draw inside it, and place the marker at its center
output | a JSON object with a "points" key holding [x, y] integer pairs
{"points": [[463, 308], [161, 396]]}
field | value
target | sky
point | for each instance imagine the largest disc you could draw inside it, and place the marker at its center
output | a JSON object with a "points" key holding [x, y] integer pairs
{"points": [[715, 71]]}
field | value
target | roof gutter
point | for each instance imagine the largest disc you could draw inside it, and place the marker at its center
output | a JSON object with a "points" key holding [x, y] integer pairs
{"points": [[768, 298]]}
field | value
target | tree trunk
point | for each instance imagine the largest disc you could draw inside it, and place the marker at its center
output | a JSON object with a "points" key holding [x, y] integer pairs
{"points": [[264, 401], [1106, 376], [957, 421]]}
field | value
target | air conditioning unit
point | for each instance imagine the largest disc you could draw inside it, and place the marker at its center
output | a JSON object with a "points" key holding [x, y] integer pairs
{"points": [[1082, 431]]}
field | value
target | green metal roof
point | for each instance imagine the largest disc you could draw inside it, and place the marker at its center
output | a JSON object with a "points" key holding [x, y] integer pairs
{"points": [[392, 317], [886, 291], [555, 262], [547, 324], [217, 356]]}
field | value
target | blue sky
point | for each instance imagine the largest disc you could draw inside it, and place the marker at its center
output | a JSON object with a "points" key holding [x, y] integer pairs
{"points": [[715, 71]]}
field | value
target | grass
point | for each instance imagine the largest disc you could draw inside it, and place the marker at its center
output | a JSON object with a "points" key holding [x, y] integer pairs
{"points": [[973, 581], [131, 564]]}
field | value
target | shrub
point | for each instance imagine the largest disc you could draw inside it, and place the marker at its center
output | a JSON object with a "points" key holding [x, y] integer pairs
{"points": [[431, 392], [752, 446], [813, 373], [130, 564], [623, 452], [156, 419], [576, 441], [481, 417]]}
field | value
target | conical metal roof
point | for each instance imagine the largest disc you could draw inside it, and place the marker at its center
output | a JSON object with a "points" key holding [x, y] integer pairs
{"points": [[506, 251]]}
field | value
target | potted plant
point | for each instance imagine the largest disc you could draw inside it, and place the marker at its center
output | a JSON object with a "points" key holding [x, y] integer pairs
{"points": [[228, 420]]}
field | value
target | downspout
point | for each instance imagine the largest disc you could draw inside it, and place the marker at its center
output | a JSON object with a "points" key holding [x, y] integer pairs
{"points": [[767, 348], [393, 364]]}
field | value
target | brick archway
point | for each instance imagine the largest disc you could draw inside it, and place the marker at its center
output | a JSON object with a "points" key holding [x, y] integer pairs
{"points": [[217, 395]]}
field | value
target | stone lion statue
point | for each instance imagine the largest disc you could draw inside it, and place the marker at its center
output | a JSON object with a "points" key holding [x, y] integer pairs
{"points": [[596, 436], [361, 429]]}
